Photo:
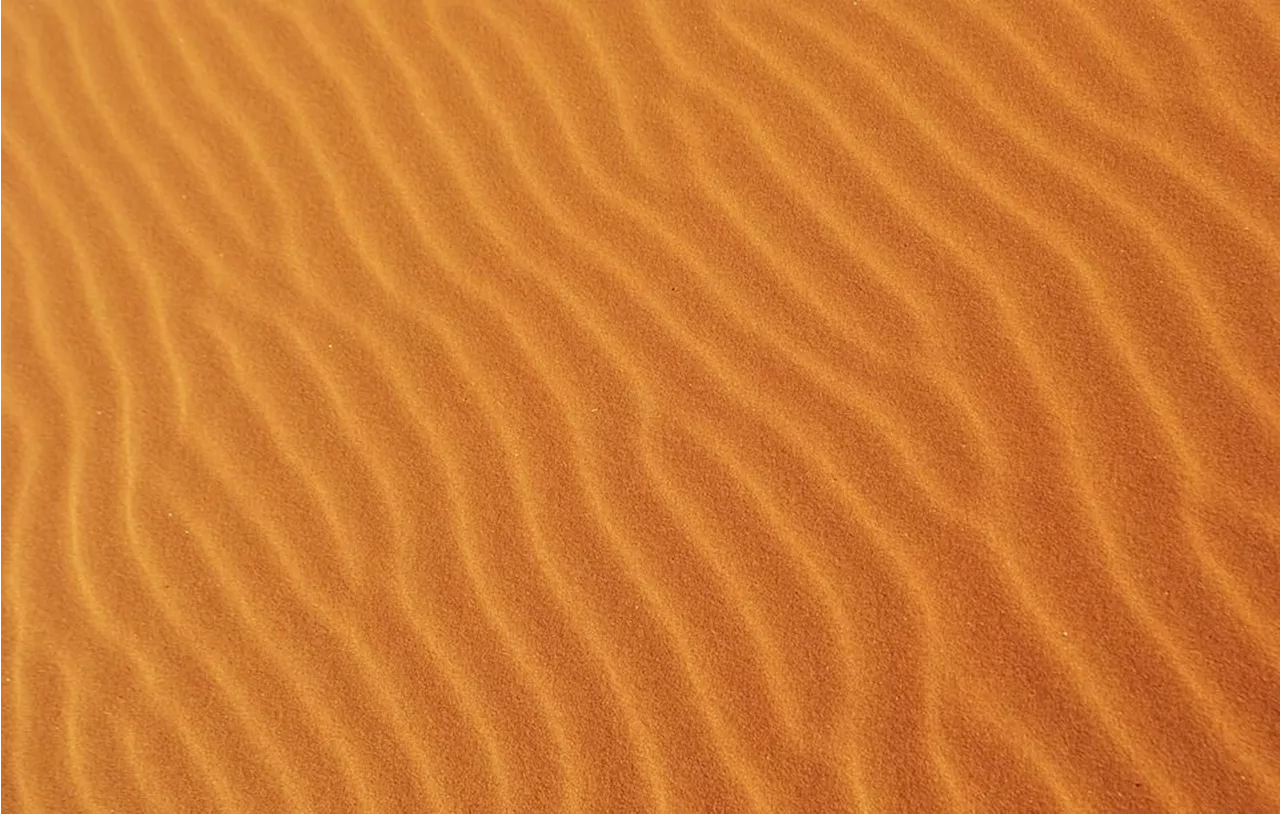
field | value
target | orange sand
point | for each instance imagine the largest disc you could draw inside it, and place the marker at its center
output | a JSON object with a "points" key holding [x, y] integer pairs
{"points": [[653, 405]]}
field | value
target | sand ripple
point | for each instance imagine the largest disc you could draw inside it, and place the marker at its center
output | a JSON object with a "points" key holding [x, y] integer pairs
{"points": [[641, 406]]}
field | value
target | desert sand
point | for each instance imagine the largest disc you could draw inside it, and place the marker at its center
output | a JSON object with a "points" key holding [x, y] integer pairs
{"points": [[641, 406]]}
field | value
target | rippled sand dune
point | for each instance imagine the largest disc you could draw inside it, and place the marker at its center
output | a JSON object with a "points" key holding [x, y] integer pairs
{"points": [[655, 405]]}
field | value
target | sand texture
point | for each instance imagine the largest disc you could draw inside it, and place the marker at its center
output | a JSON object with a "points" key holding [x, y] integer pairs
{"points": [[641, 406]]}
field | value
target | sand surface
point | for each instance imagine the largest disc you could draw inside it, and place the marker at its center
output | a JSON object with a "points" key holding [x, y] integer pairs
{"points": [[645, 405]]}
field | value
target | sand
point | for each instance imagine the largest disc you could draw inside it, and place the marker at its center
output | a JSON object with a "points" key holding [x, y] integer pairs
{"points": [[652, 405]]}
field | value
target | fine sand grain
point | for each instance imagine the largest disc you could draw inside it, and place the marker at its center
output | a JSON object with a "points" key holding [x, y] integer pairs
{"points": [[641, 405]]}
